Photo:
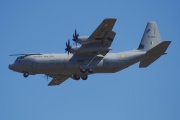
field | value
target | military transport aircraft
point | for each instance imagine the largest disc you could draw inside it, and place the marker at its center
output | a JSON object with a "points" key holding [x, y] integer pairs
{"points": [[92, 56]]}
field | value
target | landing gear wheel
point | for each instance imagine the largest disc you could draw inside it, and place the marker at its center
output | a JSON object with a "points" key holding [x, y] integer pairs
{"points": [[83, 70], [90, 70], [26, 74], [76, 77], [84, 77]]}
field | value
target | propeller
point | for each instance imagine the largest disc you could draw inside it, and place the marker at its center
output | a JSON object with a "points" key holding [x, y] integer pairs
{"points": [[75, 37], [68, 47]]}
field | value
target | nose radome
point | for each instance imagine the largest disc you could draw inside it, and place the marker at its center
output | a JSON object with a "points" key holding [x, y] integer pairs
{"points": [[10, 66]]}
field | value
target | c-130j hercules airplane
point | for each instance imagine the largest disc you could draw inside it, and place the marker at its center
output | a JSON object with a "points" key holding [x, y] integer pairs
{"points": [[92, 56]]}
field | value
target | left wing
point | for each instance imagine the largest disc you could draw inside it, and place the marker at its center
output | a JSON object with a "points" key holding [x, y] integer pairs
{"points": [[97, 45], [103, 29], [57, 79], [102, 33]]}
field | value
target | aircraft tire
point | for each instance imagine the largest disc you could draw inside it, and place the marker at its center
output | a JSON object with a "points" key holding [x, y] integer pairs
{"points": [[76, 77], [26, 74], [84, 77], [90, 70], [83, 70]]}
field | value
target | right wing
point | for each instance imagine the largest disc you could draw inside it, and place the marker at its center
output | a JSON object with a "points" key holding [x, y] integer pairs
{"points": [[57, 79]]}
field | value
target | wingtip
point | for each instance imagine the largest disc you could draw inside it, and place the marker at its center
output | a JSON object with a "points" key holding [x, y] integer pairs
{"points": [[110, 19]]}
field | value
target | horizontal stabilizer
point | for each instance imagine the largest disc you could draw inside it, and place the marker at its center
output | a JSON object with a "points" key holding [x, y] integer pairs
{"points": [[146, 62], [159, 49], [154, 53]]}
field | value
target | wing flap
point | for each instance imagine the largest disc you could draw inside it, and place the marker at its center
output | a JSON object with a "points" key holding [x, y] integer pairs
{"points": [[108, 41]]}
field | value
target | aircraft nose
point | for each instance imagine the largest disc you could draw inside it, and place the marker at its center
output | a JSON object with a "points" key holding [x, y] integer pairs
{"points": [[10, 66]]}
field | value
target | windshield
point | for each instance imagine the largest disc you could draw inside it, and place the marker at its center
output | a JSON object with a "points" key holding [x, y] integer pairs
{"points": [[19, 58]]}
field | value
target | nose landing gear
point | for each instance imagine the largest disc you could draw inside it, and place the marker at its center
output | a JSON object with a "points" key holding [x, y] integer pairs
{"points": [[26, 74]]}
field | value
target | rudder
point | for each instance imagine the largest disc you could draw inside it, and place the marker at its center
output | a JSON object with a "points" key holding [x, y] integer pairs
{"points": [[151, 37]]}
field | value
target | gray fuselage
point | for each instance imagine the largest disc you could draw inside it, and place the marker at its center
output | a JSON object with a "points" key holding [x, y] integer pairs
{"points": [[70, 65]]}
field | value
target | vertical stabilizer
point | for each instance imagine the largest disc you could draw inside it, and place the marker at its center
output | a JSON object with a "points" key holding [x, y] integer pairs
{"points": [[151, 37]]}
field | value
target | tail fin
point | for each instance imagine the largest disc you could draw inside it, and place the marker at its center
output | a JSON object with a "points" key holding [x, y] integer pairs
{"points": [[151, 43], [151, 37]]}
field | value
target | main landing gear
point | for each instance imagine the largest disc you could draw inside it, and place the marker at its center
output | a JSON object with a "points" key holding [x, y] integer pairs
{"points": [[88, 70], [76, 77], [26, 74], [84, 77]]}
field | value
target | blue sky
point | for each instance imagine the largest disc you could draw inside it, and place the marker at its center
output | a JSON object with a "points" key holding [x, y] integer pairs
{"points": [[132, 94]]}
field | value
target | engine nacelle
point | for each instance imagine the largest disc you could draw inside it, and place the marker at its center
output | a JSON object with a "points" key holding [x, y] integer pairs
{"points": [[82, 40]]}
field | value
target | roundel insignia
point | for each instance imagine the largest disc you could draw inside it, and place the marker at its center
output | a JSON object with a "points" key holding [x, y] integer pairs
{"points": [[123, 56], [105, 25]]}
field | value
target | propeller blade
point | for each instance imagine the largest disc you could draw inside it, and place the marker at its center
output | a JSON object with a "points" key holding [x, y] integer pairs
{"points": [[75, 36], [68, 43], [68, 47]]}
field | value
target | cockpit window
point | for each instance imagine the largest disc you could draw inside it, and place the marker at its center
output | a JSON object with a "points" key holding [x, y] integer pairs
{"points": [[19, 58]]}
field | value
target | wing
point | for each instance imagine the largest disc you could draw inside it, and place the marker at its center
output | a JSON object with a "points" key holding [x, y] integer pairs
{"points": [[103, 29], [102, 33], [57, 79], [101, 39]]}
